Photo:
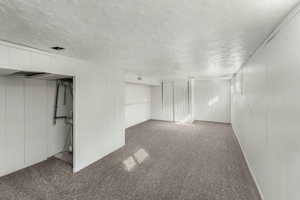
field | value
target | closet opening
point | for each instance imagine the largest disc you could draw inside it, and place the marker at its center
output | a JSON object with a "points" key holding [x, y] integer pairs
{"points": [[36, 118]]}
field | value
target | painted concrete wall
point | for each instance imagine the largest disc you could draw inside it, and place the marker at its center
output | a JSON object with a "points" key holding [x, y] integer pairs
{"points": [[137, 103], [98, 99], [28, 135], [266, 110], [212, 100]]}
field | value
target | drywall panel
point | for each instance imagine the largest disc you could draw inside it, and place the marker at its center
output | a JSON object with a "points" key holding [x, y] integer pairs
{"points": [[266, 110], [137, 103], [13, 137], [212, 100], [35, 121], [99, 99]]}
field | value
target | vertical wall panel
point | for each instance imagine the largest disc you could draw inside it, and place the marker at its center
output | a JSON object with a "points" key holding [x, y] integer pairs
{"points": [[137, 103], [167, 101], [13, 140], [2, 125], [162, 101], [212, 100], [181, 101], [35, 121], [156, 102], [171, 101]]}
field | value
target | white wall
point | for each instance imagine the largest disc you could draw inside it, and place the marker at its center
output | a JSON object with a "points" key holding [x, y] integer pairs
{"points": [[266, 113], [162, 109], [12, 144], [99, 99], [35, 120], [171, 101], [137, 103], [212, 100], [28, 135], [182, 109]]}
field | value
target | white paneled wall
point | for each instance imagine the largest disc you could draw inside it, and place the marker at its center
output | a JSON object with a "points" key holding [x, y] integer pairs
{"points": [[162, 102], [98, 99], [156, 102], [13, 135], [182, 101], [3, 153], [137, 103], [171, 101], [266, 113], [27, 129], [212, 100], [35, 99]]}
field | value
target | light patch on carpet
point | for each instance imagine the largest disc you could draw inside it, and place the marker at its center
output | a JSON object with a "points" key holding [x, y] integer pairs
{"points": [[141, 155], [129, 163]]}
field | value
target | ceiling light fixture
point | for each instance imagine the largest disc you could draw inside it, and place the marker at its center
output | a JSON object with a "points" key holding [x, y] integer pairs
{"points": [[57, 48]]}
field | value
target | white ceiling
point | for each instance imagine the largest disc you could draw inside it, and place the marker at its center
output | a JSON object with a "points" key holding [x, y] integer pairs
{"points": [[165, 38]]}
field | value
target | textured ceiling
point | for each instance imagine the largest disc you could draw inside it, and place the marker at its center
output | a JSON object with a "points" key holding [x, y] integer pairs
{"points": [[166, 38]]}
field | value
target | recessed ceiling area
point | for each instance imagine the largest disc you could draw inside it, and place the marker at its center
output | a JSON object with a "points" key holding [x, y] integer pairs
{"points": [[12, 73], [165, 38]]}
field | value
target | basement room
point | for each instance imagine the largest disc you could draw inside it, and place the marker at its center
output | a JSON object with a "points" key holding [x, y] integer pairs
{"points": [[140, 100]]}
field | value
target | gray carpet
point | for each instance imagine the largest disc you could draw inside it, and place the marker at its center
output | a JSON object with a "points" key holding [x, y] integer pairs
{"points": [[161, 160]]}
